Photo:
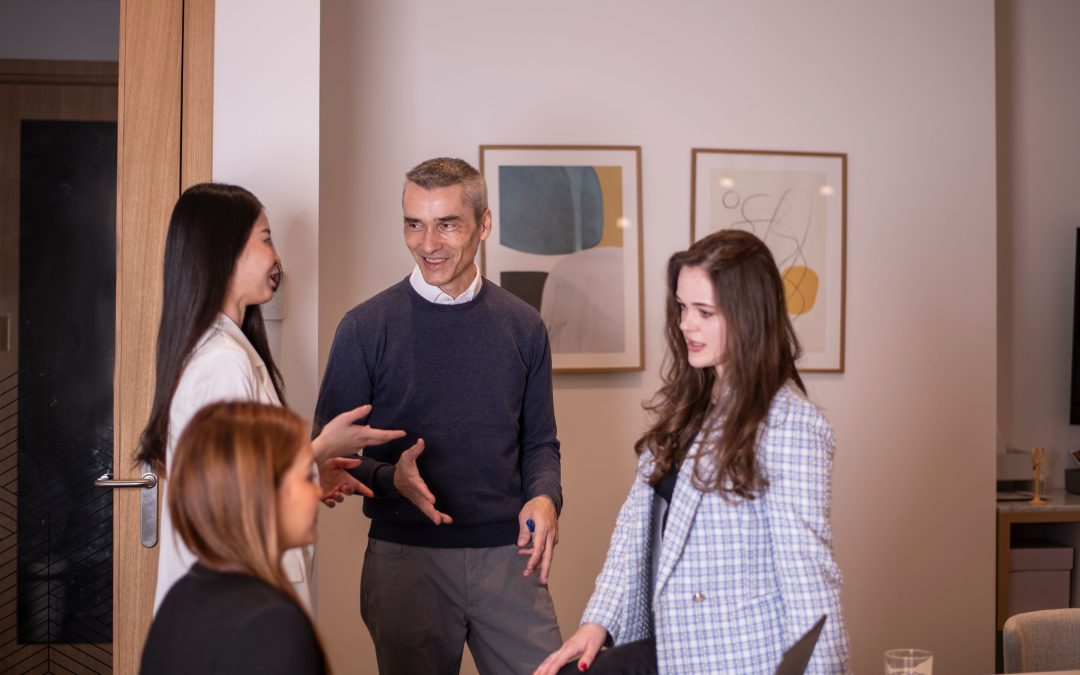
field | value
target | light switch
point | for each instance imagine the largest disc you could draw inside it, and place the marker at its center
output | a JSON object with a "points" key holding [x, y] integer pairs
{"points": [[274, 310]]}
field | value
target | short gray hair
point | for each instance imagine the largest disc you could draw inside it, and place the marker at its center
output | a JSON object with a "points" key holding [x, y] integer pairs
{"points": [[447, 171]]}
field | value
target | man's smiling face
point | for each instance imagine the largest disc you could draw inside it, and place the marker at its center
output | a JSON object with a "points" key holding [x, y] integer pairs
{"points": [[443, 236]]}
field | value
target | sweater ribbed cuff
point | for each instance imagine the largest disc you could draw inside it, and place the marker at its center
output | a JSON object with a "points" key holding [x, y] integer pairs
{"points": [[383, 482]]}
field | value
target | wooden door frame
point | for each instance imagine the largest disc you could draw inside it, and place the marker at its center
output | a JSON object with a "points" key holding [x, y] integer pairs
{"points": [[164, 144]]}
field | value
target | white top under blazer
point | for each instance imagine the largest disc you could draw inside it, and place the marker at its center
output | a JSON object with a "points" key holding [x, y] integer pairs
{"points": [[223, 367]]}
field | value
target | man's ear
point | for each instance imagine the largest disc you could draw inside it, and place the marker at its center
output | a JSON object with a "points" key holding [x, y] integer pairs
{"points": [[485, 225]]}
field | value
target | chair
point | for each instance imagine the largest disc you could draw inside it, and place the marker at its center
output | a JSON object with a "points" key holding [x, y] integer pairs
{"points": [[1042, 641]]}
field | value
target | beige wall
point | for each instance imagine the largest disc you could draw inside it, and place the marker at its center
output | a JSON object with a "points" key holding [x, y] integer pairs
{"points": [[910, 100], [1039, 162], [907, 89], [266, 138]]}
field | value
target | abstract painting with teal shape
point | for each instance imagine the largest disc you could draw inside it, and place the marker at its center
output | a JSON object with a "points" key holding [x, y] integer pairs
{"points": [[550, 210]]}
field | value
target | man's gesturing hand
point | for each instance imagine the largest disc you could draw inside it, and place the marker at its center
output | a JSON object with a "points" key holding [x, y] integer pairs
{"points": [[540, 510], [411, 486]]}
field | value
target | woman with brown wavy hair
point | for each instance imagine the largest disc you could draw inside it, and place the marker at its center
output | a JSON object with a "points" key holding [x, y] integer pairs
{"points": [[243, 493], [722, 554]]}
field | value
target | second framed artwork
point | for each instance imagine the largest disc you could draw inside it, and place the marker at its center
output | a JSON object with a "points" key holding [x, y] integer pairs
{"points": [[796, 202], [566, 238]]}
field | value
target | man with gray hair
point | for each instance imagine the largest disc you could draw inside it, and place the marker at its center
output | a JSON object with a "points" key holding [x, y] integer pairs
{"points": [[465, 368]]}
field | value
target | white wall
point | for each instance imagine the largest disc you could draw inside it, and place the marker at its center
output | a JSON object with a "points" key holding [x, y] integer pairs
{"points": [[266, 138], [910, 100], [1039, 162], [75, 30]]}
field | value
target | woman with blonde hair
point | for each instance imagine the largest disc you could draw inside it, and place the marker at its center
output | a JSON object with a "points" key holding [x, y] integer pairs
{"points": [[722, 554], [242, 494]]}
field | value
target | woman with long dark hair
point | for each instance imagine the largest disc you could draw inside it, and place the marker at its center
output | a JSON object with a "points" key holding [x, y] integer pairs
{"points": [[220, 265], [242, 494], [722, 554]]}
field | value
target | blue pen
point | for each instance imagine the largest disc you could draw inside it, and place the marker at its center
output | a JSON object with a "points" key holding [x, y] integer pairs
{"points": [[531, 525]]}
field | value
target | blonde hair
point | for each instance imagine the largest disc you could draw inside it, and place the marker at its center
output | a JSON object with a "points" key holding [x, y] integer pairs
{"points": [[228, 465]]}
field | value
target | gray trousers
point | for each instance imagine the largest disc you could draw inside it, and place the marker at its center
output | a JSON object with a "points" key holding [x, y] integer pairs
{"points": [[422, 605]]}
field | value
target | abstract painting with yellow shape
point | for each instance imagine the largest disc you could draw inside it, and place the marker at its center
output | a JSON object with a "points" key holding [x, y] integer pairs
{"points": [[794, 202]]}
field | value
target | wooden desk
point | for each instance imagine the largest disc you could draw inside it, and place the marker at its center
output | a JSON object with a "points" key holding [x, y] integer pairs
{"points": [[1063, 507]]}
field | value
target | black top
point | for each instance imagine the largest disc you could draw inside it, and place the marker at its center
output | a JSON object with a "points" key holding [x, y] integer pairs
{"points": [[665, 487], [214, 622], [474, 381]]}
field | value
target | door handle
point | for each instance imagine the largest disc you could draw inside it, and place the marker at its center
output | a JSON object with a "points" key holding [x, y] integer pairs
{"points": [[148, 481], [148, 503]]}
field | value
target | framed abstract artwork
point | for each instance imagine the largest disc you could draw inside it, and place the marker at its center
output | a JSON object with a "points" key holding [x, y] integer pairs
{"points": [[566, 238], [796, 202]]}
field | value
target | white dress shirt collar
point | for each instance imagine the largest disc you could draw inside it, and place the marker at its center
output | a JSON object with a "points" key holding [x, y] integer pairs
{"points": [[439, 296]]}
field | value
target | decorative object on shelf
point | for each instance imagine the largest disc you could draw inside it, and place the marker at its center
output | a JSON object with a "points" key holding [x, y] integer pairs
{"points": [[566, 238], [796, 202], [1037, 456]]}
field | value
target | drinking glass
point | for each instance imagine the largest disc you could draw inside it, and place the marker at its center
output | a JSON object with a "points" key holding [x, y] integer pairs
{"points": [[909, 662]]}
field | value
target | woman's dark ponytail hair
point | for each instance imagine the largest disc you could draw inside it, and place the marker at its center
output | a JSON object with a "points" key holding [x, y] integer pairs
{"points": [[208, 230]]}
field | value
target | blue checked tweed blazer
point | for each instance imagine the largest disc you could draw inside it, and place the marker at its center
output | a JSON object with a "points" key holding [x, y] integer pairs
{"points": [[738, 581]]}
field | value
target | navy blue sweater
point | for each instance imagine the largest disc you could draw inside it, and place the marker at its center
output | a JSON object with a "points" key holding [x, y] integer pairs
{"points": [[474, 381]]}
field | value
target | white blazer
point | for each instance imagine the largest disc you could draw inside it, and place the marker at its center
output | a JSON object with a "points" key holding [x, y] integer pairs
{"points": [[739, 581], [223, 367]]}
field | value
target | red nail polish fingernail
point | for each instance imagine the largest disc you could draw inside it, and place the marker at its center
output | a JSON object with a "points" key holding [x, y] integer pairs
{"points": [[583, 666]]}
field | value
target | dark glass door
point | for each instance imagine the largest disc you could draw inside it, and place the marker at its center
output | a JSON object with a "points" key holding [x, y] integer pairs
{"points": [[56, 409]]}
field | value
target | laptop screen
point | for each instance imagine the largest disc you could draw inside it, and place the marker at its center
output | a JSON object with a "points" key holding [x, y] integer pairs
{"points": [[797, 656]]}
